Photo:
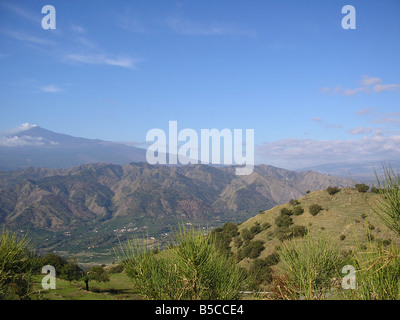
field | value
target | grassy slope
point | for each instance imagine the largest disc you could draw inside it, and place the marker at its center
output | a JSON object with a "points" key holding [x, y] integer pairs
{"points": [[341, 216], [118, 288]]}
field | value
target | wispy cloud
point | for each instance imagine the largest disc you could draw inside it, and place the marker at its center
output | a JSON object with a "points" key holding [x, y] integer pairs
{"points": [[187, 27], [102, 59], [51, 89], [367, 85], [360, 130], [25, 37], [363, 111], [78, 29], [23, 12]]}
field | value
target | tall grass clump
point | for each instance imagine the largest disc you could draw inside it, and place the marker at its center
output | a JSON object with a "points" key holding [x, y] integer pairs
{"points": [[388, 205], [192, 268], [308, 268], [377, 274], [17, 263]]}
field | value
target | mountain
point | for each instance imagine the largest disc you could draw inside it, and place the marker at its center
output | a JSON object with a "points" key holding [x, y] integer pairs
{"points": [[360, 171], [87, 205], [33, 146]]}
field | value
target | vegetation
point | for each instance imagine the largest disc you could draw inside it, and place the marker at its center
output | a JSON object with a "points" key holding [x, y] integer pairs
{"points": [[308, 268], [315, 209], [192, 269], [361, 187], [17, 266], [332, 190], [388, 206]]}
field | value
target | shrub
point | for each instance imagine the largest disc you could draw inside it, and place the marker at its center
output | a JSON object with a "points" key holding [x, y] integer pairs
{"points": [[255, 229], [362, 187], [246, 234], [17, 266], [298, 210], [342, 237], [266, 225], [308, 267], [193, 269], [286, 211], [332, 190], [308, 192], [388, 206], [378, 274], [260, 271], [374, 190], [251, 249], [294, 202], [283, 221], [315, 209], [223, 236]]}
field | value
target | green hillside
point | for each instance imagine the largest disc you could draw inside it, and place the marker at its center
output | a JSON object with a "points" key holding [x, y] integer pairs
{"points": [[345, 218]]}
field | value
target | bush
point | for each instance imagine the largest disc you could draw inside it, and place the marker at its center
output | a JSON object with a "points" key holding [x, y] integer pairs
{"points": [[286, 233], [388, 206], [315, 209], [255, 229], [17, 267], [260, 271], [223, 236], [298, 210], [294, 202], [251, 249], [246, 234], [283, 221], [193, 269], [308, 267], [378, 274], [266, 225], [332, 190], [286, 211], [362, 187]]}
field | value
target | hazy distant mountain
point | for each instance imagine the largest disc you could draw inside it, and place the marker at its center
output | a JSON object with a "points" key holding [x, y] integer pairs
{"points": [[33, 146], [361, 171]]}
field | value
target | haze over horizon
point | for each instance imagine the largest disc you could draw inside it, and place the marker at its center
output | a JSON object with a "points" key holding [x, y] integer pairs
{"points": [[314, 92]]}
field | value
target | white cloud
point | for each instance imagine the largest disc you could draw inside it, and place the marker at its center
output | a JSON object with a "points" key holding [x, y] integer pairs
{"points": [[360, 130], [368, 85], [15, 141], [386, 87], [297, 153], [369, 81]]}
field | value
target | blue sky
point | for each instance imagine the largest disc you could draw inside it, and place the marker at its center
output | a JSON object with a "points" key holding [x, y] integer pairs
{"points": [[113, 70]]}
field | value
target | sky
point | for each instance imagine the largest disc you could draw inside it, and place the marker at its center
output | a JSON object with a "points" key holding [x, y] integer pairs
{"points": [[313, 91]]}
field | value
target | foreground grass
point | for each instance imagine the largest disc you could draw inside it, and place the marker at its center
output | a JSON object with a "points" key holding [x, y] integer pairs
{"points": [[118, 288]]}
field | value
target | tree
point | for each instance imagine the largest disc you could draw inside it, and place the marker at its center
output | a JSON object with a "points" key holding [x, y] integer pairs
{"points": [[71, 271], [95, 273]]}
